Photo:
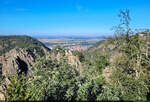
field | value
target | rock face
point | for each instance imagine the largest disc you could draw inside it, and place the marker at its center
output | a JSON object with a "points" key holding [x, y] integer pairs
{"points": [[18, 54], [17, 61], [2, 97], [73, 60]]}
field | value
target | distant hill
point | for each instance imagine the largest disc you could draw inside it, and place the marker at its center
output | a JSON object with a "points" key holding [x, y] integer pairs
{"points": [[9, 42]]}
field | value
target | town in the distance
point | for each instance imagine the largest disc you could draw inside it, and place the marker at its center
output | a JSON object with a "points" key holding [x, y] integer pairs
{"points": [[70, 43], [73, 43]]}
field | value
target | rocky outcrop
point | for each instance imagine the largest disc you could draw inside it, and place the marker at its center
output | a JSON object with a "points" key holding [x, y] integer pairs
{"points": [[18, 61], [18, 54], [2, 97], [73, 60], [106, 72]]}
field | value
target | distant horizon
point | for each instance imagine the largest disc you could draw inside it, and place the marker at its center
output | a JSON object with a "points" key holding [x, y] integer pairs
{"points": [[44, 36]]}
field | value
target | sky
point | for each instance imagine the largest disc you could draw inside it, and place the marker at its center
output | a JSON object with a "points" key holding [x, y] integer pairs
{"points": [[69, 17]]}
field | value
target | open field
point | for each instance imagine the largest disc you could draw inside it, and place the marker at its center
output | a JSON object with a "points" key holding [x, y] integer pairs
{"points": [[70, 43]]}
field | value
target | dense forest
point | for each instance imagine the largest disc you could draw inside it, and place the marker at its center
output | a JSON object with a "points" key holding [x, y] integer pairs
{"points": [[114, 69]]}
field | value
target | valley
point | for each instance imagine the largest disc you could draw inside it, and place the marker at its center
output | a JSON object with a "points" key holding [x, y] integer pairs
{"points": [[77, 44]]}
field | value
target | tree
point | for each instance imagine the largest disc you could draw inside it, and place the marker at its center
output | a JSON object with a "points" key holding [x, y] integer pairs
{"points": [[52, 78], [123, 30], [79, 55], [17, 88], [128, 73], [125, 21]]}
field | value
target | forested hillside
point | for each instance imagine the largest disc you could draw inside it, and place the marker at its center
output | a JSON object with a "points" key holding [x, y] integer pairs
{"points": [[10, 42], [114, 69]]}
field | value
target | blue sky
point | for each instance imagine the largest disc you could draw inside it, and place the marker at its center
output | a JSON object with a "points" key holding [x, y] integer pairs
{"points": [[69, 17]]}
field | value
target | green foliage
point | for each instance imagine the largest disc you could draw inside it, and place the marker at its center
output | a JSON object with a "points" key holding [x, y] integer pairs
{"points": [[130, 88], [128, 73], [57, 80], [100, 62], [134, 90], [109, 93], [17, 88], [89, 90], [127, 56], [10, 42], [51, 79], [79, 55], [57, 49], [70, 94]]}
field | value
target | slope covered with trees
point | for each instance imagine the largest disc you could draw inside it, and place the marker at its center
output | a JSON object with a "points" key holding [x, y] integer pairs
{"points": [[10, 42]]}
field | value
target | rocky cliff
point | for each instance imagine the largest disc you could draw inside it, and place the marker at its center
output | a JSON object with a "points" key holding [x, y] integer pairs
{"points": [[18, 54]]}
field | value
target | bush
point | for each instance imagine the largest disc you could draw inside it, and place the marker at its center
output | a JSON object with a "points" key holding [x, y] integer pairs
{"points": [[17, 88]]}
